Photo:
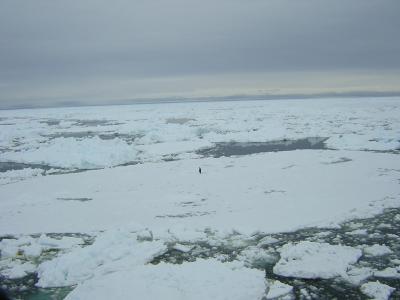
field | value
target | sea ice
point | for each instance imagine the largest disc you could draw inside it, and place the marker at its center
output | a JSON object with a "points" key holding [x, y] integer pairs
{"points": [[397, 218], [30, 246], [16, 269], [112, 251], [202, 279], [268, 240], [182, 248], [356, 275], [395, 261], [17, 175], [358, 232], [315, 260], [377, 250], [216, 202], [278, 289], [257, 257], [77, 153], [377, 290], [388, 273]]}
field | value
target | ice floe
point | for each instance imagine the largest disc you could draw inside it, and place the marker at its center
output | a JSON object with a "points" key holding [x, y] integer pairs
{"points": [[202, 279], [377, 250], [278, 289], [16, 269], [388, 273], [315, 260], [114, 250], [377, 290], [29, 246], [86, 153]]}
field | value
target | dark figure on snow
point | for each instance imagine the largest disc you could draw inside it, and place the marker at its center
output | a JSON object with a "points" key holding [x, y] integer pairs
{"points": [[199, 170]]}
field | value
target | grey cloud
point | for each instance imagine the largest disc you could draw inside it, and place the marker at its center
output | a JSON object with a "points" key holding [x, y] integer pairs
{"points": [[46, 43]]}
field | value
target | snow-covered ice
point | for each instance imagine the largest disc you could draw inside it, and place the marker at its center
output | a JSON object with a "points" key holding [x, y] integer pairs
{"points": [[278, 289], [18, 175], [377, 290], [358, 232], [70, 152], [315, 260], [268, 240], [28, 246], [112, 251], [202, 279], [18, 270], [356, 275], [388, 273], [377, 250], [218, 198]]}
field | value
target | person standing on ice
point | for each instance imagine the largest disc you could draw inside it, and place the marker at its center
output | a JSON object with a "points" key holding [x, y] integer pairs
{"points": [[199, 170]]}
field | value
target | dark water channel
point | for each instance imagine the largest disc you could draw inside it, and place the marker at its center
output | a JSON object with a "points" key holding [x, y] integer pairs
{"points": [[128, 138], [9, 166], [247, 148]]}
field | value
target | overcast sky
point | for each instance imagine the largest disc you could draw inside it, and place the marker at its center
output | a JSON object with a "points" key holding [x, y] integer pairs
{"points": [[55, 52]]}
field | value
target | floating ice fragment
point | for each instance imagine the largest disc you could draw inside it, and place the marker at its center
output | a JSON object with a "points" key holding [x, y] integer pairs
{"points": [[32, 250], [323, 234], [182, 248], [9, 251], [388, 273], [18, 270], [384, 226], [65, 242], [358, 232], [278, 289], [377, 290], [202, 279], [377, 250], [396, 261], [356, 275], [315, 260], [112, 251], [257, 257], [268, 240]]}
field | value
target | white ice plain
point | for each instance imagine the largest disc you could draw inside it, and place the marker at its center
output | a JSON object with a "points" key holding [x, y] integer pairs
{"points": [[134, 212]]}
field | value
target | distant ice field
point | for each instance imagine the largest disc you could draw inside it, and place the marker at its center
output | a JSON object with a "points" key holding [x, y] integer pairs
{"points": [[68, 139]]}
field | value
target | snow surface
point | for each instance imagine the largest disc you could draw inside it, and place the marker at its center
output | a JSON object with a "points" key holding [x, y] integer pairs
{"points": [[377, 290], [315, 260], [18, 175], [202, 279], [170, 194]]}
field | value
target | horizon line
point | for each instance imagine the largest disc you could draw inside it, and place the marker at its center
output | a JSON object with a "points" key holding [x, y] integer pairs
{"points": [[234, 97]]}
